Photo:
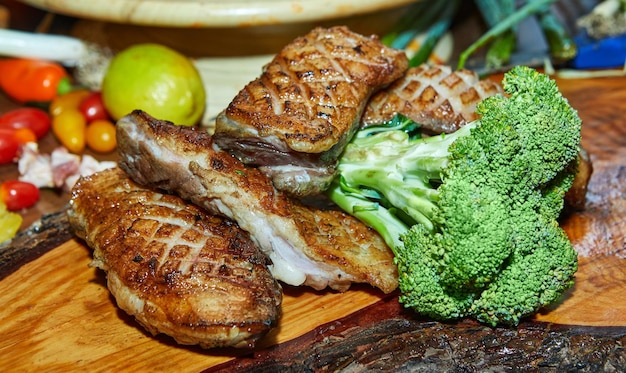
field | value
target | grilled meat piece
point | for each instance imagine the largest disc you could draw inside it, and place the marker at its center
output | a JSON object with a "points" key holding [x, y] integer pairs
{"points": [[307, 246], [440, 99], [178, 270], [296, 118]]}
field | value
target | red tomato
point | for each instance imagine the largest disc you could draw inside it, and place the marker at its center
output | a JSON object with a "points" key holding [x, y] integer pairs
{"points": [[27, 117], [18, 195], [9, 145], [92, 107]]}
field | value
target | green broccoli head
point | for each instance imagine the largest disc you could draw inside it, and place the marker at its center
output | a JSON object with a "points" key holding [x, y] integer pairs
{"points": [[546, 128], [474, 235], [420, 284], [476, 210], [532, 278]]}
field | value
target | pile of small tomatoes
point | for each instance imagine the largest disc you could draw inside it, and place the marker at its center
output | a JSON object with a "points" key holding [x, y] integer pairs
{"points": [[47, 102]]}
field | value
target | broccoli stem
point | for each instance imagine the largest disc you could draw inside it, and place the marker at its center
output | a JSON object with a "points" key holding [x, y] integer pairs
{"points": [[384, 166], [381, 219]]}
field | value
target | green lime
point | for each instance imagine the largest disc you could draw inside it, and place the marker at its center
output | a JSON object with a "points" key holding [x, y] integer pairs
{"points": [[156, 79]]}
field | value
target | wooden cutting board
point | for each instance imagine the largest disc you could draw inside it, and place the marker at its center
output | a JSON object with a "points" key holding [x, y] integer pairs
{"points": [[57, 314]]}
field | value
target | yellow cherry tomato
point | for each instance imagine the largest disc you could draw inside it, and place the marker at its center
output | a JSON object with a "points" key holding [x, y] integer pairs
{"points": [[100, 136], [69, 127], [70, 100]]}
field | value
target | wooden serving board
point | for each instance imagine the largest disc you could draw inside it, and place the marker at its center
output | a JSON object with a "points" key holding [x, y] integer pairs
{"points": [[57, 314]]}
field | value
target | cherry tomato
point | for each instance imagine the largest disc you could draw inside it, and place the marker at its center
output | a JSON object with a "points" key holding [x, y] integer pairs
{"points": [[18, 195], [24, 135], [100, 136], [69, 128], [9, 146], [93, 108], [27, 117], [70, 100]]}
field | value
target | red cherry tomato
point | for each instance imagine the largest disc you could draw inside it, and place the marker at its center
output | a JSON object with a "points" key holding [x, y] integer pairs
{"points": [[18, 195], [27, 117], [24, 135], [9, 145], [92, 108]]}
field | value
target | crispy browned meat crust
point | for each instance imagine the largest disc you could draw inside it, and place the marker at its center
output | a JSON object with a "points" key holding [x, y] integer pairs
{"points": [[178, 270], [310, 97], [440, 99], [308, 246]]}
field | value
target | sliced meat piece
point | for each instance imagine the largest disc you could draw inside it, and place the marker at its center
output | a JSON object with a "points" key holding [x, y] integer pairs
{"points": [[306, 106], [179, 271], [307, 246], [440, 99]]}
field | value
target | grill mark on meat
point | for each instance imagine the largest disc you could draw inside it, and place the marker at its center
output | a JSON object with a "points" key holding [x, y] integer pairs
{"points": [[177, 270], [440, 99], [306, 105], [307, 246]]}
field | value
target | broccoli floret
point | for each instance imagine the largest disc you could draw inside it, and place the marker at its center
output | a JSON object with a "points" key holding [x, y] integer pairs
{"points": [[472, 216]]}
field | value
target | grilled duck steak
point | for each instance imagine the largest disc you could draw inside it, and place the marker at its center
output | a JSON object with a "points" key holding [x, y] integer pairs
{"points": [[179, 271], [307, 246], [296, 118], [440, 99]]}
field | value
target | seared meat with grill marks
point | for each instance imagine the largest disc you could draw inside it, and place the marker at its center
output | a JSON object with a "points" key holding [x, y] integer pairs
{"points": [[179, 271], [307, 246], [440, 99], [296, 118]]}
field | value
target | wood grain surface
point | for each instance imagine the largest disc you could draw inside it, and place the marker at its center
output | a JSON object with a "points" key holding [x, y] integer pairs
{"points": [[57, 314]]}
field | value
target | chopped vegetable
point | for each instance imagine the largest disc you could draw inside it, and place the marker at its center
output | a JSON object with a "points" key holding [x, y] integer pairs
{"points": [[29, 80], [472, 216]]}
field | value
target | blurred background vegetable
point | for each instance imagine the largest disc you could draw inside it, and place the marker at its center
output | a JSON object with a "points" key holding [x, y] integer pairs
{"points": [[607, 18], [30, 80], [17, 195], [503, 45], [27, 117], [431, 20], [10, 223]]}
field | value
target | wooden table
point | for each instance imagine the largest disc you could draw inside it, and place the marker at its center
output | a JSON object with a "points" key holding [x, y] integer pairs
{"points": [[58, 315]]}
